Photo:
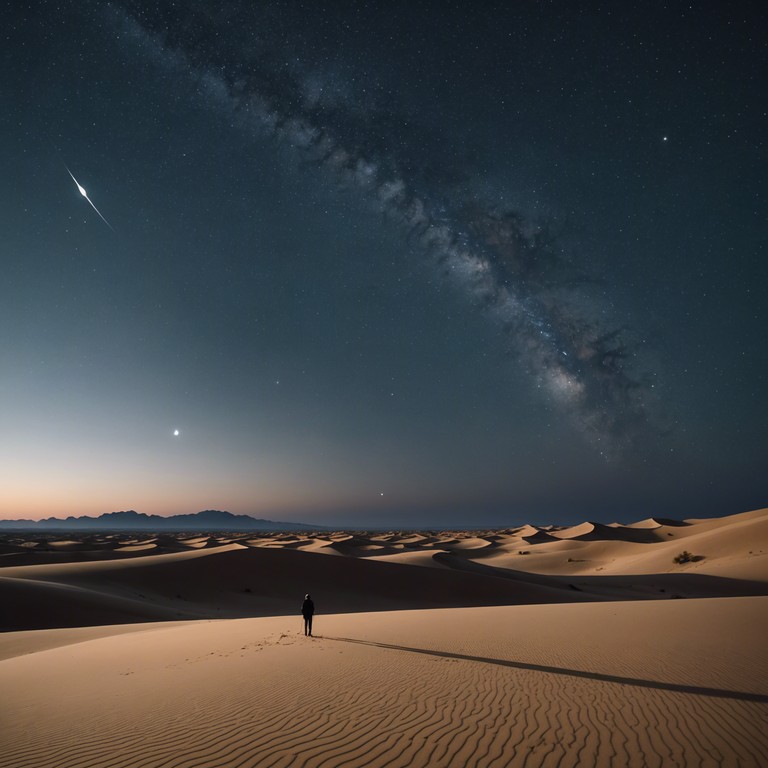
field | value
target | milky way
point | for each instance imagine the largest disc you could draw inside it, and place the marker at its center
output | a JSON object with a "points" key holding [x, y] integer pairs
{"points": [[512, 268]]}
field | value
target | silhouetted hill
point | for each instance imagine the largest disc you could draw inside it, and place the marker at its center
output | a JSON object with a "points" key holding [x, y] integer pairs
{"points": [[207, 520]]}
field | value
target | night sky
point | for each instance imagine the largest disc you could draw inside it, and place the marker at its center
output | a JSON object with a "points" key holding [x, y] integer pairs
{"points": [[384, 264]]}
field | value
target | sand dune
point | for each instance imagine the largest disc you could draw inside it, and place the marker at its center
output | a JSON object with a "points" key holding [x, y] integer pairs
{"points": [[137, 548], [657, 522], [540, 537], [566, 685], [424, 559], [735, 550], [214, 576], [599, 532], [238, 581], [30, 604], [535, 646]]}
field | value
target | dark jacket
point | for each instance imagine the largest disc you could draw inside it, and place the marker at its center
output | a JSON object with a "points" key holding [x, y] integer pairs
{"points": [[307, 608]]}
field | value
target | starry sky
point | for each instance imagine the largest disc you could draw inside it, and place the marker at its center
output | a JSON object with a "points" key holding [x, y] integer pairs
{"points": [[383, 263]]}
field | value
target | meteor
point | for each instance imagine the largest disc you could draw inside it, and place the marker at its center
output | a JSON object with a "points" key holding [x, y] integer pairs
{"points": [[85, 195]]}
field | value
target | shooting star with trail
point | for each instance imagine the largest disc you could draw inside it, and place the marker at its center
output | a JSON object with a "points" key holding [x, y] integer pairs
{"points": [[85, 195]]}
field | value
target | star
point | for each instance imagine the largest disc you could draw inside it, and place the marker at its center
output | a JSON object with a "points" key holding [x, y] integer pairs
{"points": [[85, 195]]}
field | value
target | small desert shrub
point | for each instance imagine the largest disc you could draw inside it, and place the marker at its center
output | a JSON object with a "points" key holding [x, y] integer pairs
{"points": [[524, 552], [686, 557]]}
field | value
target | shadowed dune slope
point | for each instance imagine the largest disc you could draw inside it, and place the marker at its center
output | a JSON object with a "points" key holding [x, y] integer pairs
{"points": [[657, 522], [599, 532], [246, 582], [540, 537], [29, 604]]}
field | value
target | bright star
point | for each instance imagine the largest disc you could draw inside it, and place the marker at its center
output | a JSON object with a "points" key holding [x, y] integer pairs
{"points": [[82, 191]]}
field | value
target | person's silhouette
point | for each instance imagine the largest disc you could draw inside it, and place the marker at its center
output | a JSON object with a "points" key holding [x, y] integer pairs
{"points": [[307, 611]]}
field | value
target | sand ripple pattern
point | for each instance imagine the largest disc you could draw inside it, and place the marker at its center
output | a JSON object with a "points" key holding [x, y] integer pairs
{"points": [[280, 700]]}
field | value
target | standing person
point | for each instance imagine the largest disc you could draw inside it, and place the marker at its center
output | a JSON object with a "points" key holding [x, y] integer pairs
{"points": [[307, 611]]}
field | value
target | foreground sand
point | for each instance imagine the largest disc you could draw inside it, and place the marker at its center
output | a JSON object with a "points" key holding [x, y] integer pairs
{"points": [[652, 683]]}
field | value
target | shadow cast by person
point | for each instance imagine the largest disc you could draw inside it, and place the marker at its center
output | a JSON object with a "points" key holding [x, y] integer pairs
{"points": [[655, 684], [308, 611]]}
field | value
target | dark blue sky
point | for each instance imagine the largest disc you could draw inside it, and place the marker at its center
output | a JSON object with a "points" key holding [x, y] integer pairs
{"points": [[381, 264]]}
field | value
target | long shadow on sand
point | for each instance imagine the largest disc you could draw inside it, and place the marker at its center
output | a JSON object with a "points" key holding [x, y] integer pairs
{"points": [[696, 690]]}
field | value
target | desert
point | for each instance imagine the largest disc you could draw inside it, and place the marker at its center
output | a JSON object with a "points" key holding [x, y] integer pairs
{"points": [[383, 384], [535, 646]]}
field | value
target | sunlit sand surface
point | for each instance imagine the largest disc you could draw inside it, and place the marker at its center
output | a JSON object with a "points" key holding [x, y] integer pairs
{"points": [[431, 649]]}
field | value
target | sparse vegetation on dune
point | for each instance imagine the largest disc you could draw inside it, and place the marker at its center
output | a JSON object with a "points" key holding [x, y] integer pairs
{"points": [[686, 557]]}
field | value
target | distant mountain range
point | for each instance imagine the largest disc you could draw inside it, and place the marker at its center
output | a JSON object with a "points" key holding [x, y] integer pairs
{"points": [[207, 520]]}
